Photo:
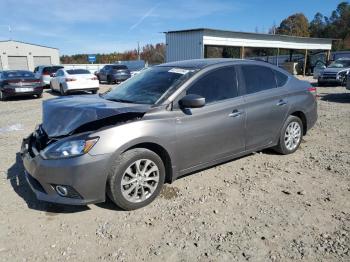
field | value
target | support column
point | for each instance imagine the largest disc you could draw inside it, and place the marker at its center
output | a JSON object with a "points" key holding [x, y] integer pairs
{"points": [[328, 57], [278, 54], [305, 62], [242, 52]]}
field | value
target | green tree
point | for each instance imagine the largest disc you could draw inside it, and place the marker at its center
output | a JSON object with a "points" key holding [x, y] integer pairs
{"points": [[295, 25]]}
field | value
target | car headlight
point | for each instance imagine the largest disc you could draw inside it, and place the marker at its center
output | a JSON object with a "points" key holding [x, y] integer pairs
{"points": [[70, 148], [343, 73]]}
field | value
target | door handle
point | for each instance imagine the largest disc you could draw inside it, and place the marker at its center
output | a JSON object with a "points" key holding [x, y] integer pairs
{"points": [[235, 113], [281, 103]]}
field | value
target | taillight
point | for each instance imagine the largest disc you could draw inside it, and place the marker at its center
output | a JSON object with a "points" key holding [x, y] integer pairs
{"points": [[46, 73], [70, 79], [312, 90]]}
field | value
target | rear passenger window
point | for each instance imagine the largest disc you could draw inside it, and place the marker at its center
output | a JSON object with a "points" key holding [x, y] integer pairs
{"points": [[280, 78], [218, 85], [258, 78]]}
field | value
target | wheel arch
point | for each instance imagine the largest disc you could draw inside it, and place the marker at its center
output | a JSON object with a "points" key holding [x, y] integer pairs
{"points": [[301, 115], [162, 153]]}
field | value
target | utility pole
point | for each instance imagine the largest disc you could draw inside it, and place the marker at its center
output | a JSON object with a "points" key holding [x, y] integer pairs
{"points": [[10, 30], [138, 50]]}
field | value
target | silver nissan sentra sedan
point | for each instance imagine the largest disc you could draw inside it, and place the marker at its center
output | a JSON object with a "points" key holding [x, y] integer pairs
{"points": [[167, 121]]}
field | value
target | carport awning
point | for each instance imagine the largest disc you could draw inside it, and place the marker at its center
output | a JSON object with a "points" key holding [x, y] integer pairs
{"points": [[229, 38]]}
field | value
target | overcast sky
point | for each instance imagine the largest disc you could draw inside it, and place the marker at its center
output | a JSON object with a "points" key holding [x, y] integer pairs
{"points": [[79, 26]]}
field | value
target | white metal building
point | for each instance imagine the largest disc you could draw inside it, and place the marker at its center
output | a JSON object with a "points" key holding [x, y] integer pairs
{"points": [[192, 43], [19, 55]]}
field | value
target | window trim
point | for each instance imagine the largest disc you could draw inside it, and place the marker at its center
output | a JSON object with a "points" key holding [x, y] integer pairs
{"points": [[239, 94], [243, 84]]}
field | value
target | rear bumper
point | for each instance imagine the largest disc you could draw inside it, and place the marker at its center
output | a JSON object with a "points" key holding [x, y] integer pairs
{"points": [[9, 92], [120, 77], [84, 176]]}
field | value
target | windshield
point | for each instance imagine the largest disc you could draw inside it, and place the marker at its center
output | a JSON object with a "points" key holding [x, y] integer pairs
{"points": [[150, 86], [78, 72], [18, 74], [340, 64], [119, 67], [51, 69]]}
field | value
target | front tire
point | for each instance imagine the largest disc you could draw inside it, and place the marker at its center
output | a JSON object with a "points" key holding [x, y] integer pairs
{"points": [[136, 179], [291, 136]]}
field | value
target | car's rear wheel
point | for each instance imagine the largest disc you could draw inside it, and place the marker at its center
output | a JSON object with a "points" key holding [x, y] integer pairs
{"points": [[39, 95], [136, 179], [2, 96], [109, 80], [63, 93], [291, 136], [94, 92]]}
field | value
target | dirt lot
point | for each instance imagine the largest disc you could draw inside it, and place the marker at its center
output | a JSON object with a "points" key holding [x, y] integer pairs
{"points": [[262, 207]]}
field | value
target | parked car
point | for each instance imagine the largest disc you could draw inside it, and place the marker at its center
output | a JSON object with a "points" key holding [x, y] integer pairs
{"points": [[348, 82], [19, 83], [113, 74], [73, 80], [44, 73], [335, 73], [167, 121]]}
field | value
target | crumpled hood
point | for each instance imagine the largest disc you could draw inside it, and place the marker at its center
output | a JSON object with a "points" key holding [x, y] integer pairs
{"points": [[63, 115]]}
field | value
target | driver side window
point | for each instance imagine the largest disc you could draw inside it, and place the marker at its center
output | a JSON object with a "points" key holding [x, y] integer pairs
{"points": [[217, 85]]}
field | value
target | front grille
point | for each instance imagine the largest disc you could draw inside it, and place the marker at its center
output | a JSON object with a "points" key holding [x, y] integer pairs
{"points": [[40, 139], [329, 75], [35, 183]]}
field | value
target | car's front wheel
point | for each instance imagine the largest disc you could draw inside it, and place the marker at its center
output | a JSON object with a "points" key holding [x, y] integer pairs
{"points": [[136, 179], [291, 135]]}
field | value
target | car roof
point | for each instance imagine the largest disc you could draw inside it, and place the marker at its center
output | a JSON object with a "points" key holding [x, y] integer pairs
{"points": [[202, 63]]}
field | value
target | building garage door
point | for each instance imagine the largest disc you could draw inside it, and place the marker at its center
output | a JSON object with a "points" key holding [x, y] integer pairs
{"points": [[42, 60], [18, 62]]}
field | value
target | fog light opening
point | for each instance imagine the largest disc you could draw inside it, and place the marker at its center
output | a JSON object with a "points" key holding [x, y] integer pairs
{"points": [[61, 190]]}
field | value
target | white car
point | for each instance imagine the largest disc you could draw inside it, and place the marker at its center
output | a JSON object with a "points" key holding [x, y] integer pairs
{"points": [[71, 80]]}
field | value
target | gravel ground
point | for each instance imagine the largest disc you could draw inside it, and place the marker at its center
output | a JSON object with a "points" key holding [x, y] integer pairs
{"points": [[262, 207]]}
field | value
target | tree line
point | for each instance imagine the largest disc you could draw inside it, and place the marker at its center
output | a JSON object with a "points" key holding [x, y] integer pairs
{"points": [[336, 26], [153, 54]]}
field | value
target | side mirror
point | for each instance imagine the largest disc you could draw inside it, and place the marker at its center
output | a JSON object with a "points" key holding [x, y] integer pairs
{"points": [[53, 75], [192, 101]]}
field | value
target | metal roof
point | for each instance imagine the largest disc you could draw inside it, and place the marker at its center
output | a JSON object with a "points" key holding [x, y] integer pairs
{"points": [[28, 43], [247, 33], [202, 63]]}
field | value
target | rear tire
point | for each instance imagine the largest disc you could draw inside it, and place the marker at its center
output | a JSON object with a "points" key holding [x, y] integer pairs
{"points": [[135, 179], [290, 136], [109, 80], [39, 95], [62, 91], [94, 92], [2, 96]]}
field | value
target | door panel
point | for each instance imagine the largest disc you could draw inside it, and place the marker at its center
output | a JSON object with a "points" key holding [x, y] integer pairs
{"points": [[265, 106], [209, 133], [265, 112]]}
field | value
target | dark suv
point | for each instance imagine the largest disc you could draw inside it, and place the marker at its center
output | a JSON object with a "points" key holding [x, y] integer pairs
{"points": [[166, 122], [114, 74]]}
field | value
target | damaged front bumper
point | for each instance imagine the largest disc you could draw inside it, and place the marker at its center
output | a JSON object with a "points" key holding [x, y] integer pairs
{"points": [[84, 177]]}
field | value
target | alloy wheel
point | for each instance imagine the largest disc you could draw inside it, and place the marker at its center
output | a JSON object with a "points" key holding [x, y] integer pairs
{"points": [[292, 135], [140, 180]]}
